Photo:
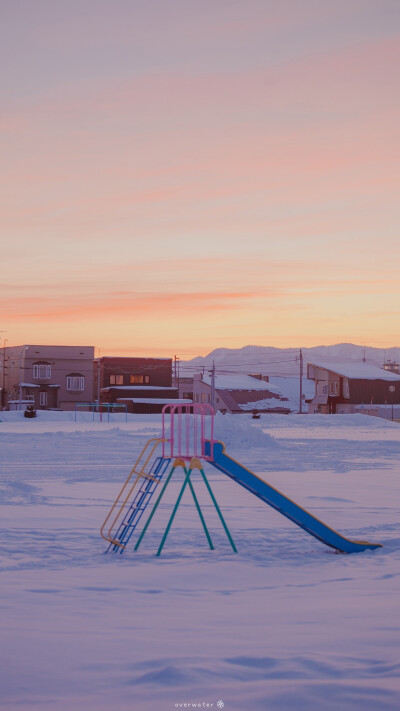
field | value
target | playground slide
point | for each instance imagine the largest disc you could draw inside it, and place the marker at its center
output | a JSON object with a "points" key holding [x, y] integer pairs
{"points": [[281, 503]]}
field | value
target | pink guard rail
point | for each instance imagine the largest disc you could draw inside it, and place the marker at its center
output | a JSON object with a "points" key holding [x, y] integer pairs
{"points": [[189, 427]]}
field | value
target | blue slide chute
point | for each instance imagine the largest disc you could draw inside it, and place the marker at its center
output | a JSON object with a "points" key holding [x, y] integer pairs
{"points": [[282, 503]]}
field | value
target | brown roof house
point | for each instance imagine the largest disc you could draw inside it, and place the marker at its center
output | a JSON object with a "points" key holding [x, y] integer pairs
{"points": [[143, 384], [239, 394], [48, 377]]}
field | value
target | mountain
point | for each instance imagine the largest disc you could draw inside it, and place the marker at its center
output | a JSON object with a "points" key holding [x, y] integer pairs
{"points": [[284, 361]]}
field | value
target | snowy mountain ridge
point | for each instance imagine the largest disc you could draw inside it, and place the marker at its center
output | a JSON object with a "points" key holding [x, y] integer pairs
{"points": [[269, 360]]}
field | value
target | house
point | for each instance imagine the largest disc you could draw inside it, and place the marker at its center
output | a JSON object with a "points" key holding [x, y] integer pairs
{"points": [[239, 394], [143, 384], [48, 377], [351, 387], [185, 387]]}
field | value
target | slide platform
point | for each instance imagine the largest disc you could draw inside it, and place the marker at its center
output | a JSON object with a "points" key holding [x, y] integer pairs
{"points": [[283, 504]]}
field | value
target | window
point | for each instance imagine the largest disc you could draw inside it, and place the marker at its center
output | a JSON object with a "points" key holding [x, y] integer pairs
{"points": [[116, 379], [324, 389], [139, 379], [333, 387], [75, 382], [42, 371], [43, 398], [205, 397]]}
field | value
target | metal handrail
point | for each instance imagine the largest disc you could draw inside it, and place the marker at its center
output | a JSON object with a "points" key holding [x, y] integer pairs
{"points": [[139, 474]]}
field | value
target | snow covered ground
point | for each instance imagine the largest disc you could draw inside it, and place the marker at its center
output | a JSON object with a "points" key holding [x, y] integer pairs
{"points": [[283, 624]]}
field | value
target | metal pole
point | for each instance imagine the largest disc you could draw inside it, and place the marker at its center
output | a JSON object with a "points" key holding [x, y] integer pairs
{"points": [[219, 512], [178, 501], [3, 392], [98, 383], [20, 376], [154, 509], [301, 382], [213, 387]]}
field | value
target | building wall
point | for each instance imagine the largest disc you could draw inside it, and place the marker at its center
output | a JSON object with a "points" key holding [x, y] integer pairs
{"points": [[344, 394], [202, 394], [158, 371], [377, 391], [64, 362]]}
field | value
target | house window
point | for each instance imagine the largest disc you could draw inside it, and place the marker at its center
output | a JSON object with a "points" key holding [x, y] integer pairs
{"points": [[42, 371], [139, 379], [43, 398], [116, 379], [324, 389], [333, 387], [75, 382], [205, 397]]}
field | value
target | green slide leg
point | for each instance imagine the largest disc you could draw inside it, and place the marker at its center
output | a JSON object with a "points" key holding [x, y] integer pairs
{"points": [[178, 501], [210, 491], [154, 509]]}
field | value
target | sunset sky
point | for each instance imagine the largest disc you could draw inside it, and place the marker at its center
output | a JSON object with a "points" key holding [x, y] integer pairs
{"points": [[178, 176]]}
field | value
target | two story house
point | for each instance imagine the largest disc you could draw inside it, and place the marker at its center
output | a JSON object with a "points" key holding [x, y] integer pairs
{"points": [[48, 377], [143, 384], [350, 387]]}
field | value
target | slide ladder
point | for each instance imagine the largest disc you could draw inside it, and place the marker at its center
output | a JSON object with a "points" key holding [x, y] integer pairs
{"points": [[282, 503], [134, 497], [139, 504]]}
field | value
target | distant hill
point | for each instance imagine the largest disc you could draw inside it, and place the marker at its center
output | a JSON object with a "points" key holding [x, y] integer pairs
{"points": [[284, 361]]}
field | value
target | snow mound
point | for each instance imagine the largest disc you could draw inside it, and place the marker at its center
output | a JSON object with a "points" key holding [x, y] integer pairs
{"points": [[236, 431]]}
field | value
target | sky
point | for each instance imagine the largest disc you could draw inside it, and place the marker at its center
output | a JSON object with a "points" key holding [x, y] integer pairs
{"points": [[178, 176]]}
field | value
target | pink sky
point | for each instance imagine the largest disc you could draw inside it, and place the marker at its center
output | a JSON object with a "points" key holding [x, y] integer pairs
{"points": [[179, 176]]}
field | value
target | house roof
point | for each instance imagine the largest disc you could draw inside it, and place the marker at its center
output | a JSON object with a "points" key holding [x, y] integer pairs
{"points": [[358, 371], [238, 382], [319, 400], [136, 388], [246, 400], [155, 400]]}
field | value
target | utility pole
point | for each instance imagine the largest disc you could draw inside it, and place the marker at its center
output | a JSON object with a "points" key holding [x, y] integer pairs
{"points": [[98, 382], [3, 389], [213, 386], [301, 382], [3, 392]]}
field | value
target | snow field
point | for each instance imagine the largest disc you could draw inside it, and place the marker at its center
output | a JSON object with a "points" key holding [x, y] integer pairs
{"points": [[284, 624]]}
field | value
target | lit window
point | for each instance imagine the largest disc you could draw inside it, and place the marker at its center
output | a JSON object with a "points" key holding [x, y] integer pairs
{"points": [[139, 379], [42, 371], [75, 383], [116, 379]]}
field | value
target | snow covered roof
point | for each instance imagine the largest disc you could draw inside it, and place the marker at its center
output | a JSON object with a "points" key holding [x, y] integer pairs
{"points": [[154, 400], [271, 403], [136, 387], [289, 387], [358, 371], [238, 382], [35, 385]]}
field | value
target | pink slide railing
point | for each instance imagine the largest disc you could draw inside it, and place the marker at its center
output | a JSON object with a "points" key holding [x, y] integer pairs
{"points": [[185, 430]]}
